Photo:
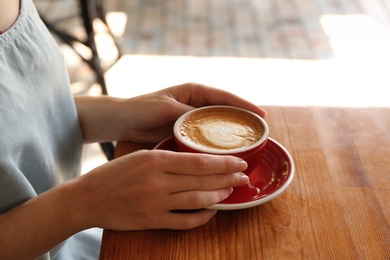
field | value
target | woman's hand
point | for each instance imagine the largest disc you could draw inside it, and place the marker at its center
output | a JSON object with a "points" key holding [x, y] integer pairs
{"points": [[141, 190], [148, 118]]}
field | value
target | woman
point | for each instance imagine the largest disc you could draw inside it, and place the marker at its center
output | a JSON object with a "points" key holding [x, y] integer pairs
{"points": [[46, 209]]}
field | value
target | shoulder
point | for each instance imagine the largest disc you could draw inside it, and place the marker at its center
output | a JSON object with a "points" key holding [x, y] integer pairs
{"points": [[9, 11]]}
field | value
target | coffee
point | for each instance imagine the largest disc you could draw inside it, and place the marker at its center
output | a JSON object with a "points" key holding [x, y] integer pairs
{"points": [[221, 128]]}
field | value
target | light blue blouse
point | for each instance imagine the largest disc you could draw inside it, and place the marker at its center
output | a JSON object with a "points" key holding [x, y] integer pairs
{"points": [[40, 137]]}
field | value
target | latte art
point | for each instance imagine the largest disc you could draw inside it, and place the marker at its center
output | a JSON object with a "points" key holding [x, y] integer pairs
{"points": [[221, 129], [226, 135]]}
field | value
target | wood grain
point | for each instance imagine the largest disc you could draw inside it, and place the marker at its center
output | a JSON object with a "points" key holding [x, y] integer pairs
{"points": [[337, 207]]}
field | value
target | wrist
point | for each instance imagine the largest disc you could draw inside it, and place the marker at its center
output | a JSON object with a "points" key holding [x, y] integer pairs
{"points": [[98, 118], [43, 221], [79, 198]]}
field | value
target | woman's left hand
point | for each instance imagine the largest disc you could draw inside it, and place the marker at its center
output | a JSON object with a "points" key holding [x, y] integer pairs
{"points": [[149, 118]]}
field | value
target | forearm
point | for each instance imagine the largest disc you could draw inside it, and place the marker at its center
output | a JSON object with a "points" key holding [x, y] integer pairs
{"points": [[98, 118], [34, 227]]}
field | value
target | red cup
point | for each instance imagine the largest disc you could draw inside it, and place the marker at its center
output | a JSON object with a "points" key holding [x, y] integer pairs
{"points": [[238, 118]]}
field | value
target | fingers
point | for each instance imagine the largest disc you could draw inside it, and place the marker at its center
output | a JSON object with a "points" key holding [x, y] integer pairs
{"points": [[200, 95], [181, 172], [198, 164], [189, 220], [181, 183], [197, 199], [190, 171]]}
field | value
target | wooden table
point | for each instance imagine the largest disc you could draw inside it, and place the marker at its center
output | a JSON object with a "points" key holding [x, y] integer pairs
{"points": [[337, 207]]}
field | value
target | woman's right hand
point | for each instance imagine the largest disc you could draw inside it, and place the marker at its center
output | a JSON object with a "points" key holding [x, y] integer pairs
{"points": [[140, 190]]}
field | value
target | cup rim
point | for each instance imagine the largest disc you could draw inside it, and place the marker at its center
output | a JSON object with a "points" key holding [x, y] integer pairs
{"points": [[218, 151]]}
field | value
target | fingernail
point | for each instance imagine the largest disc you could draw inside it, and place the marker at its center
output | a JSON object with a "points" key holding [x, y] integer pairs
{"points": [[212, 211], [243, 178], [229, 192], [242, 162]]}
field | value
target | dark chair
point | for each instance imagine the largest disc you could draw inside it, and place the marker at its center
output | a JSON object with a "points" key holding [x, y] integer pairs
{"points": [[89, 10]]}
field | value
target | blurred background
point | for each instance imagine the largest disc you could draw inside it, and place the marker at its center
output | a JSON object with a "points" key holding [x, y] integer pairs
{"points": [[271, 52]]}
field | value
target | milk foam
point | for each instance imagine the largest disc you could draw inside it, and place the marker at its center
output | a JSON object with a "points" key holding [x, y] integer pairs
{"points": [[221, 129], [225, 135]]}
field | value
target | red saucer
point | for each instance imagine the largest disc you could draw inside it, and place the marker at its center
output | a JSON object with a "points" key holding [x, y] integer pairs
{"points": [[272, 175]]}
